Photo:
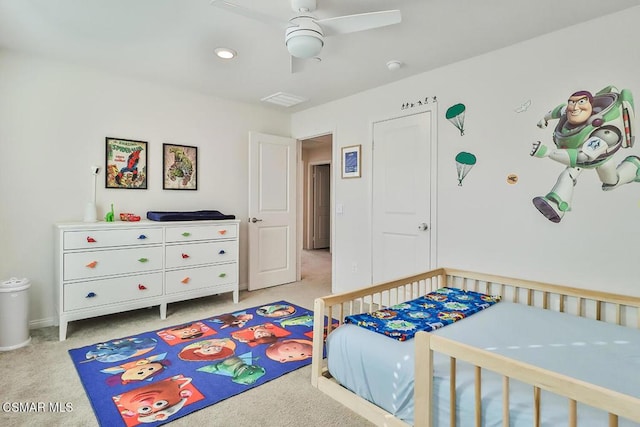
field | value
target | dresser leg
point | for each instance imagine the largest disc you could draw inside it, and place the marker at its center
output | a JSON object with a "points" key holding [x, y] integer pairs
{"points": [[163, 310], [62, 330], [236, 295]]}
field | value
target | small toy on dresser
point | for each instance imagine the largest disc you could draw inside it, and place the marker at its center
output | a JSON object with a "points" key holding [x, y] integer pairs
{"points": [[125, 216], [109, 216]]}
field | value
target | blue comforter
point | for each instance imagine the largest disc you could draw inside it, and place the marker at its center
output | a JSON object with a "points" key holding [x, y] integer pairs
{"points": [[426, 313]]}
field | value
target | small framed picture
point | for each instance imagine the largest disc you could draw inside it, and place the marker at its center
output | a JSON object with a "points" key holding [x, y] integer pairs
{"points": [[179, 167], [351, 161], [125, 164]]}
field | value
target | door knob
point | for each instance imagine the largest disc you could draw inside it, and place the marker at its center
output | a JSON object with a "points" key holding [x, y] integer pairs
{"points": [[423, 227], [254, 220]]}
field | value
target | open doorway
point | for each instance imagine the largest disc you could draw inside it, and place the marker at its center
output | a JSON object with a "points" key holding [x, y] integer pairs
{"points": [[316, 224]]}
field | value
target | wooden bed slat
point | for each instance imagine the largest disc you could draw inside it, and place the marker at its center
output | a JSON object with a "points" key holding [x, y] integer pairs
{"points": [[613, 420], [478, 395], [536, 406], [452, 391], [573, 413], [505, 401]]}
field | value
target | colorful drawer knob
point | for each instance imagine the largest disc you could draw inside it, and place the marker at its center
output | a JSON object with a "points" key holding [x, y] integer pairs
{"points": [[222, 252], [143, 259], [222, 275], [222, 231], [185, 256], [186, 234], [92, 264], [142, 237], [142, 287], [91, 295], [186, 280], [91, 239]]}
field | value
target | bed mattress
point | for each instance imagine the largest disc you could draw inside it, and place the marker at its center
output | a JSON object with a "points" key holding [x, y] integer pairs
{"points": [[380, 369]]}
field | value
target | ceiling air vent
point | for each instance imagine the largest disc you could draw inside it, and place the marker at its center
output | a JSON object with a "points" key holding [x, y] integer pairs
{"points": [[284, 99]]}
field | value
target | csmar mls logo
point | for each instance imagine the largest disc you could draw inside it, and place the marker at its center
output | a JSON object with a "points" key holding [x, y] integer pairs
{"points": [[30, 407]]}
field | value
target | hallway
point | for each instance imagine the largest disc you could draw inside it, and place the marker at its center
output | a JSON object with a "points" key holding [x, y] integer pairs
{"points": [[316, 265]]}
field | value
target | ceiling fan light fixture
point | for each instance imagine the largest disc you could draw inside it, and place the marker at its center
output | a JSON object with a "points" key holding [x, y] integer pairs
{"points": [[225, 53], [304, 46]]}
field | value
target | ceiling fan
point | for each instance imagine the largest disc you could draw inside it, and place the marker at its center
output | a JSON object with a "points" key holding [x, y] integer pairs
{"points": [[304, 33]]}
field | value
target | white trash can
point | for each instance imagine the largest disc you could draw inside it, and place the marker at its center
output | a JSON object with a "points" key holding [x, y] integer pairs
{"points": [[14, 314]]}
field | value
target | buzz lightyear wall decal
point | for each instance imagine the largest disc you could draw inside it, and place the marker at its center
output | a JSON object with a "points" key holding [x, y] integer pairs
{"points": [[589, 132], [455, 114]]}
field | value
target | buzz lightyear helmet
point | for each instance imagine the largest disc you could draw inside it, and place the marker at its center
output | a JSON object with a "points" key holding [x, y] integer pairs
{"points": [[613, 113]]}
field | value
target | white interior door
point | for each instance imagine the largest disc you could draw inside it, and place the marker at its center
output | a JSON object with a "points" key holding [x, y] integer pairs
{"points": [[401, 219], [321, 206], [272, 210]]}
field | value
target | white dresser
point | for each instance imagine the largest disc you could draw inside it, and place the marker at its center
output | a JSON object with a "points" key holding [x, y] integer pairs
{"points": [[110, 267]]}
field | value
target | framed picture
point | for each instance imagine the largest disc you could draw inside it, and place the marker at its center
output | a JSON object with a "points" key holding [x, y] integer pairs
{"points": [[179, 167], [125, 164], [351, 161]]}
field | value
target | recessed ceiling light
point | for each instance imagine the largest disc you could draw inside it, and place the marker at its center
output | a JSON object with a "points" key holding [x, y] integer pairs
{"points": [[225, 53], [394, 65]]}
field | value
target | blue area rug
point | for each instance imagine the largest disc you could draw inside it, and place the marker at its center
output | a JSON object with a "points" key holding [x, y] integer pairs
{"points": [[156, 377]]}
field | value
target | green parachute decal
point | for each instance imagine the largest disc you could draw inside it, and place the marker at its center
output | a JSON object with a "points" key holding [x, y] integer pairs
{"points": [[464, 163], [455, 114]]}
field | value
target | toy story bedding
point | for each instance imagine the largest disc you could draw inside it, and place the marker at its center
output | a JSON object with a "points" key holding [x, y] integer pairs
{"points": [[426, 313], [156, 377]]}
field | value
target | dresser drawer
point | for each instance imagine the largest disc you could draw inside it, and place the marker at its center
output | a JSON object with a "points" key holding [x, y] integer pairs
{"points": [[90, 264], [89, 239], [109, 291], [201, 277], [188, 233], [200, 253]]}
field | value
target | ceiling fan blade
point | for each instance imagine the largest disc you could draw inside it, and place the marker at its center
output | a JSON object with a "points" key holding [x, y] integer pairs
{"points": [[249, 13], [298, 65], [359, 22]]}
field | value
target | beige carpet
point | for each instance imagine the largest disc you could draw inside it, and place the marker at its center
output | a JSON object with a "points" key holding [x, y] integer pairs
{"points": [[42, 373]]}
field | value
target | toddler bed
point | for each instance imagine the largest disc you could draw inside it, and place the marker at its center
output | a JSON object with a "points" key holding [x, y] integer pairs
{"points": [[545, 355]]}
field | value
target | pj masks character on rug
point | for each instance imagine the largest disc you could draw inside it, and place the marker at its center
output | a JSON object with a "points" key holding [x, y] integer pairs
{"points": [[154, 402], [117, 350]]}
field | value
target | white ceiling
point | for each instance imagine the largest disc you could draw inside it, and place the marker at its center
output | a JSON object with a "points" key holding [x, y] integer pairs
{"points": [[172, 41]]}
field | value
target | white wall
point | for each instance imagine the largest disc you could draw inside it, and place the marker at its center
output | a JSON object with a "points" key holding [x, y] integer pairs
{"points": [[54, 120], [487, 225]]}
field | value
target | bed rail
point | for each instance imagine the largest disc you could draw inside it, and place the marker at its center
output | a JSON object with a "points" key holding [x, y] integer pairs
{"points": [[365, 300], [616, 404], [618, 309]]}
